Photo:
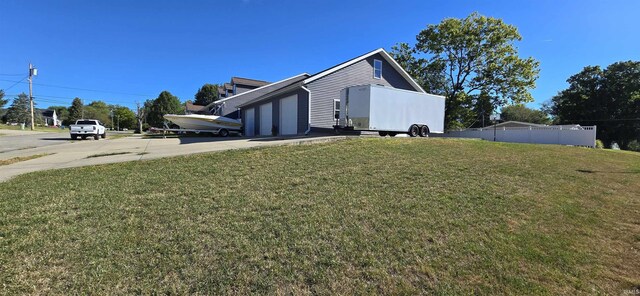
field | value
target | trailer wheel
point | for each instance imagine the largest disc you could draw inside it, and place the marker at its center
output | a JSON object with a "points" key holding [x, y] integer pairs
{"points": [[223, 133], [413, 131], [424, 131], [383, 133]]}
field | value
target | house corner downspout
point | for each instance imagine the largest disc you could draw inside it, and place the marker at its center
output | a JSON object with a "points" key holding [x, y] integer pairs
{"points": [[308, 111]]}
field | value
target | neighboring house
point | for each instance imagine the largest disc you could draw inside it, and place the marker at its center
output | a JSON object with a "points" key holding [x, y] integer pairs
{"points": [[191, 108], [515, 124], [229, 107], [305, 103], [50, 118], [239, 85]]}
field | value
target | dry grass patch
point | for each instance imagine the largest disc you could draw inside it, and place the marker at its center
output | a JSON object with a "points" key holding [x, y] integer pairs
{"points": [[21, 158]]}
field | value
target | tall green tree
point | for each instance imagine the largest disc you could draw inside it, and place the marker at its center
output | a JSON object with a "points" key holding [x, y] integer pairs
{"points": [[429, 75], [207, 94], [3, 101], [165, 103], [75, 110], [125, 117], [98, 110], [475, 55], [19, 111], [609, 99], [520, 112]]}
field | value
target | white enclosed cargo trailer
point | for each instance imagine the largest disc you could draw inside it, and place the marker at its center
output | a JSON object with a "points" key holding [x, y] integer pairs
{"points": [[390, 111]]}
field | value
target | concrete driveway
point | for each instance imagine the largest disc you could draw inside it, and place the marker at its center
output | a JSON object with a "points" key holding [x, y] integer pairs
{"points": [[133, 148], [16, 140]]}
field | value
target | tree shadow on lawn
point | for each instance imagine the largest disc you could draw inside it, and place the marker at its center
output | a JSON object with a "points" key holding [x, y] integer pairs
{"points": [[607, 172]]}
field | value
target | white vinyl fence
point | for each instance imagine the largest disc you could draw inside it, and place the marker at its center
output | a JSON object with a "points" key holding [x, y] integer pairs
{"points": [[559, 135]]}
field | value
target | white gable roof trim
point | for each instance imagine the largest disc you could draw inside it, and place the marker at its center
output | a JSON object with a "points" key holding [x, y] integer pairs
{"points": [[383, 53], [255, 89]]}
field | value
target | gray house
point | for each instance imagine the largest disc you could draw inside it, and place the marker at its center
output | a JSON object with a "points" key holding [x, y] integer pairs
{"points": [[310, 103], [239, 85]]}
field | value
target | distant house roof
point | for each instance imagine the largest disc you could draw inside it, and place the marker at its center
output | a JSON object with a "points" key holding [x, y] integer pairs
{"points": [[247, 81], [228, 86], [195, 108], [513, 123], [48, 113]]}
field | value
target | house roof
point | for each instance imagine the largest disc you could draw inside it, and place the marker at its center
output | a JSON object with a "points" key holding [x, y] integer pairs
{"points": [[336, 68], [247, 81], [48, 113], [228, 86], [290, 83], [513, 122], [265, 89], [348, 63], [195, 108]]}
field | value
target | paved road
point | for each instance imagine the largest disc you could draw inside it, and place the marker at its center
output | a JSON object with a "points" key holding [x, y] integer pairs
{"points": [[16, 140], [133, 148]]}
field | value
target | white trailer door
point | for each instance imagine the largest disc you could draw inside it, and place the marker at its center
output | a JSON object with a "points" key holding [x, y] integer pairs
{"points": [[249, 122], [266, 121], [289, 115]]}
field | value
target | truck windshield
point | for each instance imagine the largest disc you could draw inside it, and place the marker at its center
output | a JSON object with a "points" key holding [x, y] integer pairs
{"points": [[90, 122]]}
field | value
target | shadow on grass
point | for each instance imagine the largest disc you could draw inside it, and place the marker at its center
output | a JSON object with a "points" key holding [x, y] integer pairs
{"points": [[280, 138], [607, 172], [58, 139]]}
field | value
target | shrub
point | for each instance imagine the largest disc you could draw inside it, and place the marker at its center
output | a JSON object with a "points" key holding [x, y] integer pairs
{"points": [[634, 145], [599, 144]]}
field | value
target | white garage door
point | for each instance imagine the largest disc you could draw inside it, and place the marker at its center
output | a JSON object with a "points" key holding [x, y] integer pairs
{"points": [[249, 122], [266, 121], [289, 115]]}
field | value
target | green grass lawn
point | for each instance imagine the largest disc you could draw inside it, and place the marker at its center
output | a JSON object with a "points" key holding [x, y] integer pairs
{"points": [[365, 216], [37, 129]]}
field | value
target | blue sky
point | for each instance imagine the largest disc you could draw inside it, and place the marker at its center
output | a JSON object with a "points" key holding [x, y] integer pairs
{"points": [[132, 50]]}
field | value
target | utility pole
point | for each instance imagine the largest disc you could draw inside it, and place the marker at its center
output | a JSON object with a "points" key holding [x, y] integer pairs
{"points": [[111, 119], [32, 72], [140, 116], [118, 117], [82, 108]]}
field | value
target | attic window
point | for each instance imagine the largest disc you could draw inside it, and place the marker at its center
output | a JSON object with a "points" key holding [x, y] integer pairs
{"points": [[377, 69]]}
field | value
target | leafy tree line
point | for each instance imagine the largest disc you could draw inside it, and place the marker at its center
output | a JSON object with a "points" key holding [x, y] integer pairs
{"points": [[111, 115], [19, 112], [608, 98]]}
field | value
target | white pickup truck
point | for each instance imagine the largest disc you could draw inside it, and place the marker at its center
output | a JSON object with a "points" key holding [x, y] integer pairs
{"points": [[87, 127]]}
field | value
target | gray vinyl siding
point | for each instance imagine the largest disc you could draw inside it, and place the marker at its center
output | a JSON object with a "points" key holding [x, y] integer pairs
{"points": [[326, 89], [303, 100]]}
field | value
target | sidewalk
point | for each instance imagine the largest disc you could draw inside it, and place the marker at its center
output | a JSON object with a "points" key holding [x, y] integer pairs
{"points": [[133, 148]]}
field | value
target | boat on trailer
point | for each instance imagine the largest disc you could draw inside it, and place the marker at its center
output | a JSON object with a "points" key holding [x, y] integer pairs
{"points": [[197, 123]]}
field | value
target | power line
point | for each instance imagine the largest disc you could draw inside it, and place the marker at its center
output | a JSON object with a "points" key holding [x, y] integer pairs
{"points": [[78, 88], [66, 100], [16, 82]]}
